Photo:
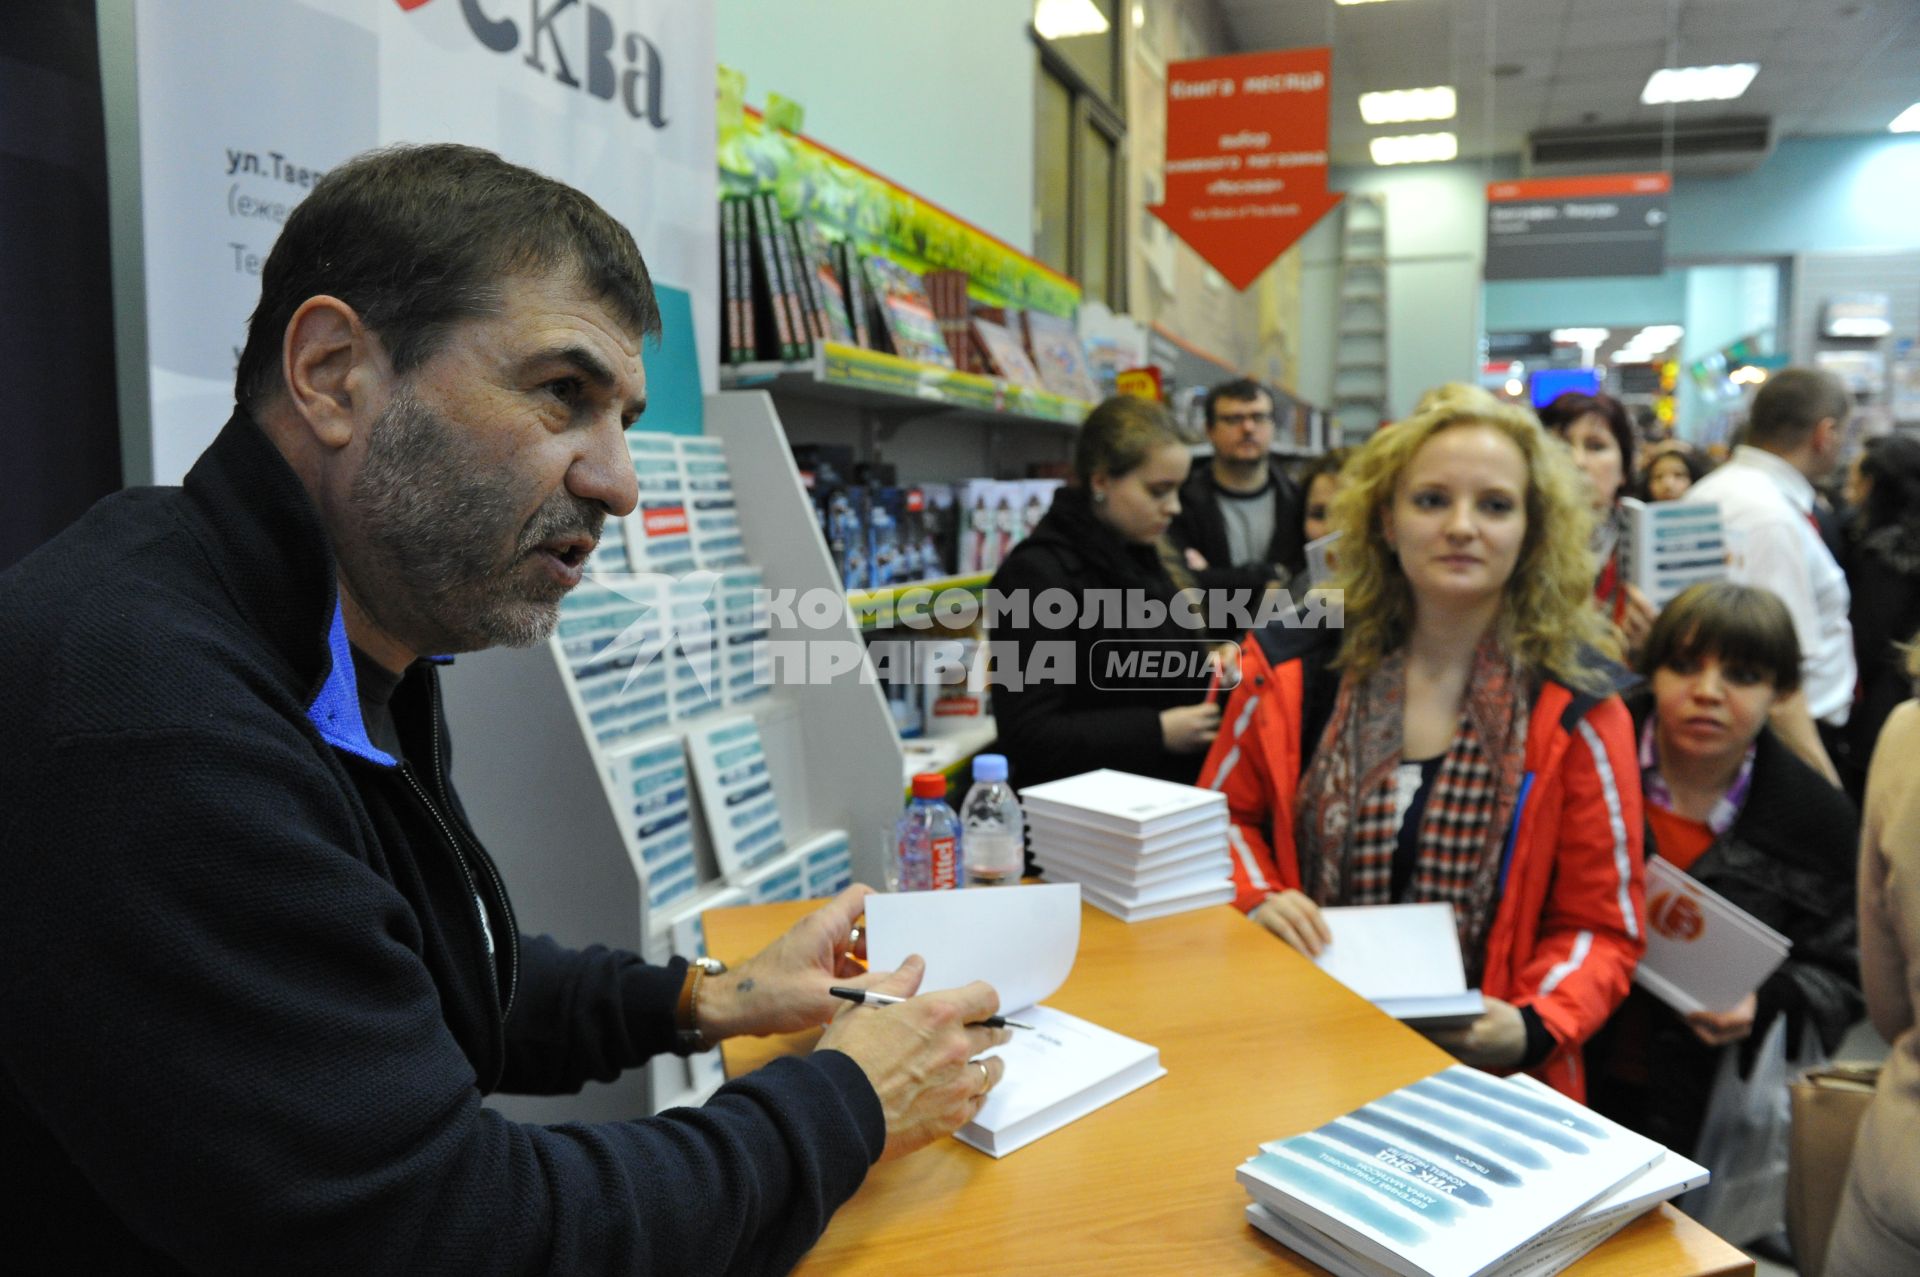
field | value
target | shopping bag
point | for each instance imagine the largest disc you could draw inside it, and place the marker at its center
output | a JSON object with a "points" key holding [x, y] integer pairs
{"points": [[1744, 1140], [1827, 1104]]}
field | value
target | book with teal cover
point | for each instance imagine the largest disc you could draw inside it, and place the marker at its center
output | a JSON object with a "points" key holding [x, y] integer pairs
{"points": [[1448, 1176]]}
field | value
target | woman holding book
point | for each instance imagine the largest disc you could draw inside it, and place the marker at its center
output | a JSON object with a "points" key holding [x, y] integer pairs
{"points": [[1734, 807], [1460, 740], [1081, 602]]}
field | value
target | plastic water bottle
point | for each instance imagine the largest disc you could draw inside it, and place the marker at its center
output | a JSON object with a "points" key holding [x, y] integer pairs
{"points": [[926, 841], [994, 828]]}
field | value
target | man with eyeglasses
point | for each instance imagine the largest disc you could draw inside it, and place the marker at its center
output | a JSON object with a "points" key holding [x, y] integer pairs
{"points": [[1239, 520]]}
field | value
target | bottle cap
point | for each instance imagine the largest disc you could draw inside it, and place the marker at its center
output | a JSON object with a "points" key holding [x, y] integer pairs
{"points": [[989, 767], [929, 785]]}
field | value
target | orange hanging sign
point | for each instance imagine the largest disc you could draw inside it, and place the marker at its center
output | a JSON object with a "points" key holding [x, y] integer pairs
{"points": [[1246, 170]]}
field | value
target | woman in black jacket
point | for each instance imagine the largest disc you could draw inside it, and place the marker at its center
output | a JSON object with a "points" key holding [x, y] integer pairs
{"points": [[1737, 809], [1091, 665]]}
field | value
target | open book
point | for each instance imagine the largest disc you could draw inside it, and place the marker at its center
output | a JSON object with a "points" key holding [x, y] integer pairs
{"points": [[1405, 959], [1022, 941]]}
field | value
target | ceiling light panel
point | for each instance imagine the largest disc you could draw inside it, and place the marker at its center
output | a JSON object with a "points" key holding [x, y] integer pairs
{"points": [[1414, 148], [1698, 84], [1064, 19], [1403, 106], [1908, 121]]}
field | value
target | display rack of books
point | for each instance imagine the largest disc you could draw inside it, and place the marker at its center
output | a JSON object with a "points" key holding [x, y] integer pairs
{"points": [[927, 380]]}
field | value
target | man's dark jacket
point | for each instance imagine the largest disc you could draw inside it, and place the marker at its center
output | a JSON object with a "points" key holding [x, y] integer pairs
{"points": [[1201, 526], [251, 998]]}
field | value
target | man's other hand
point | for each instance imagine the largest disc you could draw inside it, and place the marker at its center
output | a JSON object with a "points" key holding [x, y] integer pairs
{"points": [[919, 1055], [783, 988]]}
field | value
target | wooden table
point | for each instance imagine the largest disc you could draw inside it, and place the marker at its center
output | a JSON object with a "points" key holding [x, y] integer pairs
{"points": [[1258, 1044]]}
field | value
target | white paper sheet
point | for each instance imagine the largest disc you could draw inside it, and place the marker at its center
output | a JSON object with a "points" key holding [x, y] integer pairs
{"points": [[1020, 940], [1394, 951]]}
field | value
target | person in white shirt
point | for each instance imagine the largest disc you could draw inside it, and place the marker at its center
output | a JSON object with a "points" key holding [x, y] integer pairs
{"points": [[1795, 434]]}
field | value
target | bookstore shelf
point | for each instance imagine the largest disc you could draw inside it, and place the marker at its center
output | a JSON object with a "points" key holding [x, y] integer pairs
{"points": [[867, 379], [906, 603]]}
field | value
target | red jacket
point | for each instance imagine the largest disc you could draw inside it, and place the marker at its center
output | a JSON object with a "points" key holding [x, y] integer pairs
{"points": [[1570, 924]]}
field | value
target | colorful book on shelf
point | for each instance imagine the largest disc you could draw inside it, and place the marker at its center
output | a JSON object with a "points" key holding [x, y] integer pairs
{"points": [[737, 279], [1450, 1176], [796, 283], [905, 312], [1054, 344], [1006, 357], [807, 283], [830, 293], [947, 292], [773, 300], [859, 298]]}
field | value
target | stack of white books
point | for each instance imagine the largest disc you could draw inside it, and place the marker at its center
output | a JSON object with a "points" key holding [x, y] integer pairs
{"points": [[1460, 1174], [1138, 847]]}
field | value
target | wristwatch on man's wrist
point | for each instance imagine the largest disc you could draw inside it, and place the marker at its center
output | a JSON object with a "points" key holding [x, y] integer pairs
{"points": [[686, 1014]]}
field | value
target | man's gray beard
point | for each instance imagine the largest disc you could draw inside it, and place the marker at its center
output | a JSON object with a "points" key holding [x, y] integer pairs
{"points": [[435, 516]]}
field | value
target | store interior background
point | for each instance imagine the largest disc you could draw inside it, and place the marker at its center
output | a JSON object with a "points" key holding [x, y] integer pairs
{"points": [[1758, 237]]}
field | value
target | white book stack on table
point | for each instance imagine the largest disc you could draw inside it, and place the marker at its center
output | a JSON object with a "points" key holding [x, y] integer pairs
{"points": [[1139, 847]]}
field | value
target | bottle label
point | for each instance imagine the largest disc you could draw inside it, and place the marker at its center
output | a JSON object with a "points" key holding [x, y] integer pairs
{"points": [[945, 866]]}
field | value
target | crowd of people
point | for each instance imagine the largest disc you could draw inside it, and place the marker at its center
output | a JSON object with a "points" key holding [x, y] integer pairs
{"points": [[261, 971], [1505, 723]]}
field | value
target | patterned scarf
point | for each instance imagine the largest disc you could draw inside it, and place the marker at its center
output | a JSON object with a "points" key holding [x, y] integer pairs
{"points": [[1347, 825]]}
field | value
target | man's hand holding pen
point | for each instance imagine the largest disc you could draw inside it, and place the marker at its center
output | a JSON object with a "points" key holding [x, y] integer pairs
{"points": [[920, 1054]]}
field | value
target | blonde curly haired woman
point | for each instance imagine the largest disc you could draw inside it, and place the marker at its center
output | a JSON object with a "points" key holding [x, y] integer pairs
{"points": [[1461, 740]]}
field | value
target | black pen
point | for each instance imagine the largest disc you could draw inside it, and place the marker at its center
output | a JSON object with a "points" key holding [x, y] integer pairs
{"points": [[864, 998]]}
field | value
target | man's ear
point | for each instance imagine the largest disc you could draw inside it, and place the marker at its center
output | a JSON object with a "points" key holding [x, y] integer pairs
{"points": [[331, 363]]}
